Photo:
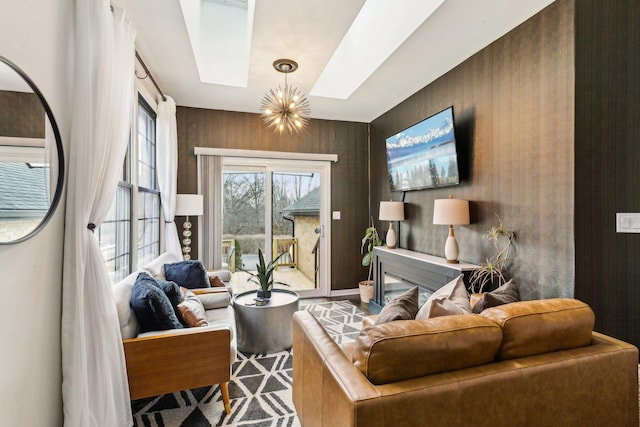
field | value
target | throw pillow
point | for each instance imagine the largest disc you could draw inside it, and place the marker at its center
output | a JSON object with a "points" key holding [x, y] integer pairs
{"points": [[191, 310], [224, 275], [505, 294], [450, 299], [216, 282], [152, 307], [402, 307], [190, 274], [170, 289]]}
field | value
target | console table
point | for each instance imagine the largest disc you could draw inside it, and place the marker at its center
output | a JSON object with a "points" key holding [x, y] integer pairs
{"points": [[396, 270]]}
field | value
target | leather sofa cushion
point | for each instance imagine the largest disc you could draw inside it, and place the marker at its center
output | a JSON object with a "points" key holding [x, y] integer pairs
{"points": [[407, 349], [542, 326]]}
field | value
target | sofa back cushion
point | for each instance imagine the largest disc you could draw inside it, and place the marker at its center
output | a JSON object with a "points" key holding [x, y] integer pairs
{"points": [[542, 326], [156, 267], [129, 326], [407, 349]]}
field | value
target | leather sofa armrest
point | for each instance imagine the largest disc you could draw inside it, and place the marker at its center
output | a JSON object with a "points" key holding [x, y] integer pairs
{"points": [[369, 320], [327, 388]]}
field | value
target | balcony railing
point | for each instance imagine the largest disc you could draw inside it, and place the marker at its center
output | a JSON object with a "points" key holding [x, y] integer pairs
{"points": [[289, 247]]}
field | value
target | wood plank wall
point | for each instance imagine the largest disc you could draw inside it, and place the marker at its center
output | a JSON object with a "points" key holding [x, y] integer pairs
{"points": [[21, 115], [514, 113], [607, 157], [349, 176]]}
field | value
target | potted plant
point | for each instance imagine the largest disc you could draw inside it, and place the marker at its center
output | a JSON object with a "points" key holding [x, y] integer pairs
{"points": [[370, 240], [492, 271], [263, 276]]}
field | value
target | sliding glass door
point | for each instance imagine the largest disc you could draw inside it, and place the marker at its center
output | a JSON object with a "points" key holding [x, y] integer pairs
{"points": [[281, 208]]}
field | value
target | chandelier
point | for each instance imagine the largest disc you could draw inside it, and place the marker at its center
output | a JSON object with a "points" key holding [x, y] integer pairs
{"points": [[285, 108]]}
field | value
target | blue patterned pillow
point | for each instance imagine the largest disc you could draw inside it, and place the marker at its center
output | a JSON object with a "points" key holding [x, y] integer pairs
{"points": [[189, 274], [152, 306]]}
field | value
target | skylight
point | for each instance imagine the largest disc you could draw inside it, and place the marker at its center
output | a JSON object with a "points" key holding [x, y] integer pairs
{"points": [[378, 30], [220, 35]]}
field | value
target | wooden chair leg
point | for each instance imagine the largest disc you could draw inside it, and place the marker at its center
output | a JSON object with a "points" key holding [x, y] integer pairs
{"points": [[224, 390]]}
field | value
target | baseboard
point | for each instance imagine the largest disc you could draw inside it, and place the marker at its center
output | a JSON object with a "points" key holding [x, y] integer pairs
{"points": [[345, 292]]}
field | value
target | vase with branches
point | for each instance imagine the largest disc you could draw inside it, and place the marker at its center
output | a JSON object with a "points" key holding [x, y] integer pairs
{"points": [[492, 271]]}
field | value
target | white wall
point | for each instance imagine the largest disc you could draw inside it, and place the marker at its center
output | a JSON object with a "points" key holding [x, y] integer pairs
{"points": [[37, 35]]}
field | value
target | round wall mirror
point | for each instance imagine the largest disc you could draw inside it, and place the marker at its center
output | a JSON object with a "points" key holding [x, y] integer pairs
{"points": [[31, 157]]}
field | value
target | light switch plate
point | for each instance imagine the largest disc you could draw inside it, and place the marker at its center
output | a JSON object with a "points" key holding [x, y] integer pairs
{"points": [[336, 215], [628, 222]]}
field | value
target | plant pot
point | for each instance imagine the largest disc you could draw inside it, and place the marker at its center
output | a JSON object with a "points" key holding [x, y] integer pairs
{"points": [[366, 290], [264, 294]]}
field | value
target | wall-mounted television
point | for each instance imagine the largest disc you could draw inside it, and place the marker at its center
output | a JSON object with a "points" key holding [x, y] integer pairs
{"points": [[424, 155]]}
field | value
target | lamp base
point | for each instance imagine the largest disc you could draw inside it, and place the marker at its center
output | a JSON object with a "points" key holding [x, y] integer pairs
{"points": [[451, 247], [186, 233], [391, 238]]}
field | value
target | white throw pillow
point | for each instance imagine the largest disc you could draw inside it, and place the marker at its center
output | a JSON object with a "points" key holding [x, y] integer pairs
{"points": [[129, 326], [156, 267], [450, 299]]}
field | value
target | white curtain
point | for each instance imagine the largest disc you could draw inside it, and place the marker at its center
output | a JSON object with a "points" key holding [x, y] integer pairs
{"points": [[94, 381], [167, 154], [210, 186]]}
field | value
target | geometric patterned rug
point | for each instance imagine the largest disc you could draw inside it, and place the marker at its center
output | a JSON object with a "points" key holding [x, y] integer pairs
{"points": [[259, 389]]}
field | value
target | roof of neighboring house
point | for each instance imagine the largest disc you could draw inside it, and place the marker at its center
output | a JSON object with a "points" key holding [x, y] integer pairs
{"points": [[308, 205], [23, 190]]}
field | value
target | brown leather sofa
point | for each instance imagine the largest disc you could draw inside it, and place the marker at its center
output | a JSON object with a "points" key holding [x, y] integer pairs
{"points": [[533, 363]]}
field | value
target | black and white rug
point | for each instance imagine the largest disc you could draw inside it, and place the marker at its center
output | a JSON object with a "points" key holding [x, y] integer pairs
{"points": [[260, 386]]}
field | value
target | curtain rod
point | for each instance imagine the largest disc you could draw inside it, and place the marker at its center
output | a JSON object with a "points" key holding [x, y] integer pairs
{"points": [[146, 70]]}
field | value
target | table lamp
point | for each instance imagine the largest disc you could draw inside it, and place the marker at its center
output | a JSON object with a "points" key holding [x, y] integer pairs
{"points": [[188, 205], [451, 212], [391, 211]]}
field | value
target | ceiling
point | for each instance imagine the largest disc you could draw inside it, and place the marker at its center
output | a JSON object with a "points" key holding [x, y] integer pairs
{"points": [[309, 31]]}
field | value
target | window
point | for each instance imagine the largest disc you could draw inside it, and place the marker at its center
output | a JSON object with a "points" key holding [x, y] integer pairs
{"points": [[135, 210], [148, 193]]}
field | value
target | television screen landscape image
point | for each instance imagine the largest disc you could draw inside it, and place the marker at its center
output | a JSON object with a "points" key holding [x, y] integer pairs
{"points": [[424, 155]]}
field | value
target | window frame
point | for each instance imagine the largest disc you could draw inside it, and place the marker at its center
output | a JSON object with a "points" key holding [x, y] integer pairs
{"points": [[130, 180], [142, 191]]}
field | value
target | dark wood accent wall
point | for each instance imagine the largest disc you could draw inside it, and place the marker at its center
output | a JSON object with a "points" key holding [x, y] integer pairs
{"points": [[607, 162], [514, 111], [349, 176], [21, 115]]}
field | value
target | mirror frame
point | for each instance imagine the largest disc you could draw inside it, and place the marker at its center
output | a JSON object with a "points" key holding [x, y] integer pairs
{"points": [[56, 132]]}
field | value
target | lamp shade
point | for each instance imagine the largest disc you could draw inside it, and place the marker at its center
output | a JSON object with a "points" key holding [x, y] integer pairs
{"points": [[450, 211], [189, 204], [391, 211]]}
